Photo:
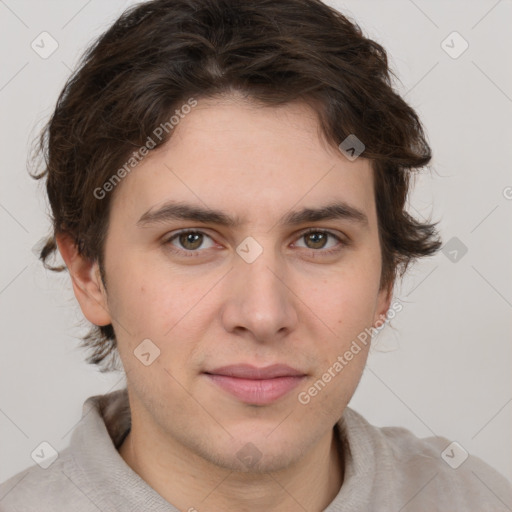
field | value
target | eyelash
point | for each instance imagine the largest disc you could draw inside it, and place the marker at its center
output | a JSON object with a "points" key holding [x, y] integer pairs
{"points": [[194, 253]]}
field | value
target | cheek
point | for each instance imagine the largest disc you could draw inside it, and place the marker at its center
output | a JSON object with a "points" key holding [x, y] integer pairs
{"points": [[155, 301], [346, 306], [346, 300]]}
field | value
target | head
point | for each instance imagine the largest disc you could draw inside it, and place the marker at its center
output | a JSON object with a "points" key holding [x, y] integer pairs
{"points": [[201, 201]]}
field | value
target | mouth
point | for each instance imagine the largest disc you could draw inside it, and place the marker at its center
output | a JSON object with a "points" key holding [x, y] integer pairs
{"points": [[256, 386]]}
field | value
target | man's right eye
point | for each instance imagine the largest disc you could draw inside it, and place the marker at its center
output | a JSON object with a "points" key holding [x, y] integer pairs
{"points": [[187, 241]]}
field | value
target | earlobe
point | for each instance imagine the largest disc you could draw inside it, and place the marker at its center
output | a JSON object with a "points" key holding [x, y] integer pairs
{"points": [[86, 280]]}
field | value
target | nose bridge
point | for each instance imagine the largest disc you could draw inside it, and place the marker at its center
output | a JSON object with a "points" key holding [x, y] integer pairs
{"points": [[258, 299]]}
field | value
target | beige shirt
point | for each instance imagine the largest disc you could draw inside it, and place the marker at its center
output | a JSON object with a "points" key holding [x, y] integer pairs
{"points": [[386, 469]]}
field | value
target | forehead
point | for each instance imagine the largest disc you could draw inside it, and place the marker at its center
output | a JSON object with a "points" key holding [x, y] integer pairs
{"points": [[255, 162]]}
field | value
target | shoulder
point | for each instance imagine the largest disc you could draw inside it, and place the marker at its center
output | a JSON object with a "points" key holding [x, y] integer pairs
{"points": [[429, 471], [58, 487]]}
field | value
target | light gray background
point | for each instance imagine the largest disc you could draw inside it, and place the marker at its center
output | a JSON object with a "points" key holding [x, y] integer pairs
{"points": [[444, 367]]}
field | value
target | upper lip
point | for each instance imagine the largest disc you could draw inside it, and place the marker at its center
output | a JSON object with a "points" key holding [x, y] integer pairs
{"points": [[247, 371]]}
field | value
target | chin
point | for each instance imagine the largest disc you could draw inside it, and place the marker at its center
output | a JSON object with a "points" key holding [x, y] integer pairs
{"points": [[253, 460]]}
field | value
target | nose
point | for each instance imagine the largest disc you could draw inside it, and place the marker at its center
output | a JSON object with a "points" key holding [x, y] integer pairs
{"points": [[260, 300]]}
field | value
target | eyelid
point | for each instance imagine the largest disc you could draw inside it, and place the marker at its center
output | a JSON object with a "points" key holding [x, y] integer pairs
{"points": [[334, 234]]}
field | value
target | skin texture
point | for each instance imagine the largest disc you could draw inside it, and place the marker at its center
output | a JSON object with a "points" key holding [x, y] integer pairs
{"points": [[294, 304]]}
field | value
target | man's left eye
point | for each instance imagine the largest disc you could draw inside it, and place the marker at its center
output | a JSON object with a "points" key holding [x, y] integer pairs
{"points": [[318, 239]]}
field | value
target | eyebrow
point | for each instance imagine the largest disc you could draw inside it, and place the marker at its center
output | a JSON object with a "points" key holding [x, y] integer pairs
{"points": [[182, 211]]}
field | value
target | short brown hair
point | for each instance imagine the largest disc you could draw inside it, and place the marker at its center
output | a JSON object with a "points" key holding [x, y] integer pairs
{"points": [[161, 52]]}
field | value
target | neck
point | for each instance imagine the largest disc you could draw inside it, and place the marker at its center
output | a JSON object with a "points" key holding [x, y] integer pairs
{"points": [[191, 483]]}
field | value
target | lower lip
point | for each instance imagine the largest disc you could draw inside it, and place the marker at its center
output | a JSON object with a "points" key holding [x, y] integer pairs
{"points": [[257, 392]]}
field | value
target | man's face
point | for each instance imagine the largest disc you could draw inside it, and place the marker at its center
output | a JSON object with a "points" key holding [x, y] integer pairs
{"points": [[209, 299]]}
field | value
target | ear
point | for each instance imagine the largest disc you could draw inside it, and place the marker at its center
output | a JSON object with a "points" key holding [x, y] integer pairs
{"points": [[383, 303], [87, 284]]}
